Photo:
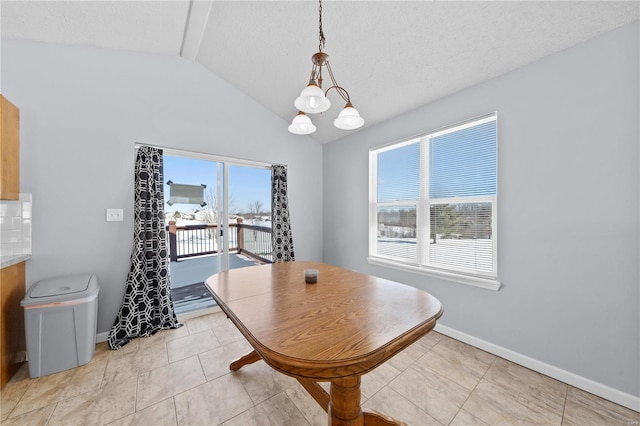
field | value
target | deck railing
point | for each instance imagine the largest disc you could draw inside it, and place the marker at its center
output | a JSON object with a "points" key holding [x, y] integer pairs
{"points": [[197, 240], [255, 241]]}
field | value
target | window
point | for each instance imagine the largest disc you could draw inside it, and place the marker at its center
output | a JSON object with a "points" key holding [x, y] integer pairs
{"points": [[433, 203]]}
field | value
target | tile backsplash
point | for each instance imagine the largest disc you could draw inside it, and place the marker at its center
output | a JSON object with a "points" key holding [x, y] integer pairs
{"points": [[15, 226]]}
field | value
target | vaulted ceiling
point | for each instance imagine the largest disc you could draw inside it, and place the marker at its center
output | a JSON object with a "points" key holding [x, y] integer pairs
{"points": [[392, 56]]}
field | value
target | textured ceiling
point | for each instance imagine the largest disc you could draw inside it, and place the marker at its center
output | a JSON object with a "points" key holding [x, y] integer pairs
{"points": [[391, 56]]}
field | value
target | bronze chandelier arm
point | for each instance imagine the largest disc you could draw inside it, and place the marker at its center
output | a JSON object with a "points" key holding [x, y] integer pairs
{"points": [[341, 90]]}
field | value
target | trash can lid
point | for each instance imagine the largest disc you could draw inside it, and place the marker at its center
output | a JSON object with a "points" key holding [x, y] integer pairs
{"points": [[61, 285]]}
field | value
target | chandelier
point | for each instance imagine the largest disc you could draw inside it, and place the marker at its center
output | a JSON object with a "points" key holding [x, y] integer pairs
{"points": [[313, 99]]}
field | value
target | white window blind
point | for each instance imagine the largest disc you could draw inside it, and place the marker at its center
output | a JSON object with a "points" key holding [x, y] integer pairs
{"points": [[434, 200], [462, 163]]}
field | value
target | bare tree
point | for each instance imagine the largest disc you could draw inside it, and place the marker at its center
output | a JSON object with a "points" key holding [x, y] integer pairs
{"points": [[255, 208], [210, 211]]}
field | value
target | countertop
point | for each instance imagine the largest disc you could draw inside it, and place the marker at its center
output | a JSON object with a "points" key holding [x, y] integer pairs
{"points": [[6, 261]]}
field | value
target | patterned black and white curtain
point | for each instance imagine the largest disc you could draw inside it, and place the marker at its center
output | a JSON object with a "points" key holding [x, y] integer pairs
{"points": [[281, 238], [147, 306]]}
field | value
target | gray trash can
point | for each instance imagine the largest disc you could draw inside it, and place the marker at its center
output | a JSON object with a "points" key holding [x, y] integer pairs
{"points": [[60, 316]]}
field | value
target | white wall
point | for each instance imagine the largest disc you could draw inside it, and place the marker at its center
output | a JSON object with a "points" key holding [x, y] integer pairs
{"points": [[82, 109], [568, 210]]}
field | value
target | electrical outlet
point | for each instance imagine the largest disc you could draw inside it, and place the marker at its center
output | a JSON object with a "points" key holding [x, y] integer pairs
{"points": [[115, 215]]}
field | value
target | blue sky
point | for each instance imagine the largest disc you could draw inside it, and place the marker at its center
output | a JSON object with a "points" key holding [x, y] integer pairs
{"points": [[246, 184]]}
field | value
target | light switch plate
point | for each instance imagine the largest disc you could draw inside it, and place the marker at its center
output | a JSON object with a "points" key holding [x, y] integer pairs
{"points": [[115, 215]]}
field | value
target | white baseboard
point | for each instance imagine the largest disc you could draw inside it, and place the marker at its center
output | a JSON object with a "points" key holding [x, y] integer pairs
{"points": [[603, 391], [102, 337]]}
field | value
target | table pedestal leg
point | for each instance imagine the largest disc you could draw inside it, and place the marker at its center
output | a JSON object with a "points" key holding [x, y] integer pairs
{"points": [[344, 406], [345, 409], [249, 358]]}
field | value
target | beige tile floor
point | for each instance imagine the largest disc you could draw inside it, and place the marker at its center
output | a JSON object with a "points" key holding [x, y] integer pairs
{"points": [[181, 377]]}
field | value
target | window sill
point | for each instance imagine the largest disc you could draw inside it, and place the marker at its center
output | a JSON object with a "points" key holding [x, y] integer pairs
{"points": [[489, 284]]}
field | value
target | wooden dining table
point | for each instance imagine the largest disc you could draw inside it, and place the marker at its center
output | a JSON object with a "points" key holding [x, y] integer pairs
{"points": [[335, 330]]}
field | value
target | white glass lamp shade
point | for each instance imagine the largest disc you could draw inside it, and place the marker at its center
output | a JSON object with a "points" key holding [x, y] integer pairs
{"points": [[312, 100], [301, 125], [348, 119]]}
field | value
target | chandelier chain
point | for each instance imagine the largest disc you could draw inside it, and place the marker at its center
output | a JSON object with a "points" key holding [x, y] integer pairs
{"points": [[321, 33]]}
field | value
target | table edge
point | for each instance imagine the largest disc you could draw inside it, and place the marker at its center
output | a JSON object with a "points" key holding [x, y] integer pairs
{"points": [[328, 370]]}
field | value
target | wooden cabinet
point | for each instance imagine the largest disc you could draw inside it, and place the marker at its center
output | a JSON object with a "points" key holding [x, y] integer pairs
{"points": [[13, 350], [12, 278], [9, 150]]}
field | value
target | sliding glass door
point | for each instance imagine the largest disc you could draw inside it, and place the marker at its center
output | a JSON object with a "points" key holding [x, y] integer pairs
{"points": [[217, 214]]}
